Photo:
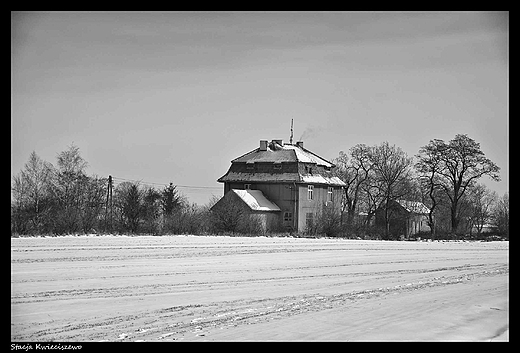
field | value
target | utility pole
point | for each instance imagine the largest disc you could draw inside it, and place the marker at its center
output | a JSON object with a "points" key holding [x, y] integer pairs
{"points": [[110, 189], [108, 204]]}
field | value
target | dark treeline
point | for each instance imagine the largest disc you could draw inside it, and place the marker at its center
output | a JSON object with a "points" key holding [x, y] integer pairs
{"points": [[443, 176], [63, 199]]}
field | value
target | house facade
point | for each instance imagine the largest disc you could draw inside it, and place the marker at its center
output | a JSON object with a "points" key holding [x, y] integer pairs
{"points": [[296, 180]]}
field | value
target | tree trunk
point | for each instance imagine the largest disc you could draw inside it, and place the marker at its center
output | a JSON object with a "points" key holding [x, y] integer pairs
{"points": [[431, 223], [350, 218], [430, 214], [454, 219], [387, 223]]}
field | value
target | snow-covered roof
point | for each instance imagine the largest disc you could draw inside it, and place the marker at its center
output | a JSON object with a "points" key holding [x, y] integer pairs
{"points": [[256, 200], [260, 177], [277, 152], [414, 206], [321, 179], [281, 177], [283, 153]]}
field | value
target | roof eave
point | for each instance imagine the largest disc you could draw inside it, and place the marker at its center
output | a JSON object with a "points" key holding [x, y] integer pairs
{"points": [[245, 154], [332, 165]]}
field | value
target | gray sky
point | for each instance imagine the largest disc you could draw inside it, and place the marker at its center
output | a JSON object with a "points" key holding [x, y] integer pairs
{"points": [[163, 97]]}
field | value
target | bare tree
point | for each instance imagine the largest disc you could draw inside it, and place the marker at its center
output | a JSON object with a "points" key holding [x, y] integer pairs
{"points": [[481, 201], [500, 215], [94, 191], [355, 171], [461, 164], [328, 221], [428, 165], [392, 176], [191, 219], [19, 205], [227, 215], [69, 182], [56, 199], [128, 206], [31, 194]]}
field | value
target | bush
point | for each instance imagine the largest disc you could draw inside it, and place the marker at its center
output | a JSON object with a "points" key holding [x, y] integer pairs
{"points": [[251, 225], [329, 222]]}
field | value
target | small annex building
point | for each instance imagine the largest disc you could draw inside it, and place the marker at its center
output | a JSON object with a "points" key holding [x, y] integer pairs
{"points": [[252, 204], [288, 176], [407, 218]]}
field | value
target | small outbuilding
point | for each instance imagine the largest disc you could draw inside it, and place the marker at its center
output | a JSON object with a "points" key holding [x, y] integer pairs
{"points": [[250, 206], [406, 217]]}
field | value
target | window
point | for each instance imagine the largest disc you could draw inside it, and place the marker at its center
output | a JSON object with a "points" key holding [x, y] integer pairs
{"points": [[247, 186], [277, 166], [287, 217], [250, 166], [310, 192], [309, 220], [329, 194]]}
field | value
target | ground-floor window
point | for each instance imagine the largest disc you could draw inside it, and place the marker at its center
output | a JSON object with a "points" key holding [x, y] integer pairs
{"points": [[309, 219], [287, 217]]}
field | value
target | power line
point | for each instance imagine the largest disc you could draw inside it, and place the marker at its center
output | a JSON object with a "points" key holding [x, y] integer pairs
{"points": [[166, 184]]}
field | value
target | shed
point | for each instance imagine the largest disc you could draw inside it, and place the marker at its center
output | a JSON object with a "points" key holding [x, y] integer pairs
{"points": [[256, 200], [406, 218], [251, 204]]}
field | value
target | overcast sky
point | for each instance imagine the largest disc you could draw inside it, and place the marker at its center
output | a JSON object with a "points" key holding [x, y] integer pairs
{"points": [[174, 97]]}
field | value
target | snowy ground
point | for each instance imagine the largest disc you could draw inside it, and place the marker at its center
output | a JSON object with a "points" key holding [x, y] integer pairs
{"points": [[187, 288]]}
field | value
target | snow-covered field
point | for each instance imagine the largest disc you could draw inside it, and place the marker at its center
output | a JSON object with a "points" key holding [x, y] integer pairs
{"points": [[194, 288]]}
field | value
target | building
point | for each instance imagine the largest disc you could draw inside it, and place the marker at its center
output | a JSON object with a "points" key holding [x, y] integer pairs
{"points": [[260, 212], [289, 176], [406, 218]]}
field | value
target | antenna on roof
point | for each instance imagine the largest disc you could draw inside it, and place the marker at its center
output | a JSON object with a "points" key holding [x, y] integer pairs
{"points": [[290, 139]]}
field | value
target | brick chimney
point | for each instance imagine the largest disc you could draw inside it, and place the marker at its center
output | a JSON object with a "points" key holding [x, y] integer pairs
{"points": [[276, 145], [263, 145]]}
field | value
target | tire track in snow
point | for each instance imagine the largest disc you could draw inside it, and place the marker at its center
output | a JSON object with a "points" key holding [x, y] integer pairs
{"points": [[137, 290], [179, 322], [124, 293], [232, 314]]}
